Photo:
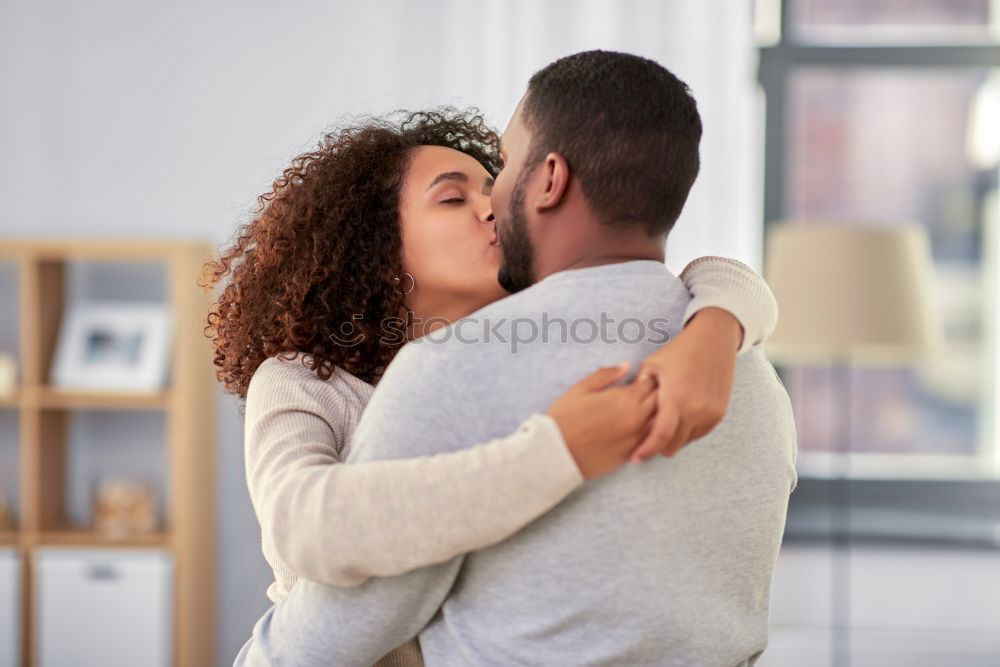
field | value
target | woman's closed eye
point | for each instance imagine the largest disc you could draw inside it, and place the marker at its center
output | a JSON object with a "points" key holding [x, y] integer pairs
{"points": [[453, 200]]}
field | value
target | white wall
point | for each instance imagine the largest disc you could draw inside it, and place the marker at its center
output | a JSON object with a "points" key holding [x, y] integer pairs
{"points": [[143, 119], [166, 119]]}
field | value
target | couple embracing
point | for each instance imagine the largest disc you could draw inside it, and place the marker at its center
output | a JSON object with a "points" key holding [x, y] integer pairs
{"points": [[430, 492]]}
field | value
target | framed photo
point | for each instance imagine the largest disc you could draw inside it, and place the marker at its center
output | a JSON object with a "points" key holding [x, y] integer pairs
{"points": [[114, 346]]}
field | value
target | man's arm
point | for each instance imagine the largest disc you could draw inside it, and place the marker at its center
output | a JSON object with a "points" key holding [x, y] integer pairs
{"points": [[323, 625]]}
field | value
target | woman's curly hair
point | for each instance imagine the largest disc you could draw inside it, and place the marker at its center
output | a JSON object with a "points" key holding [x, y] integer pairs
{"points": [[323, 248]]}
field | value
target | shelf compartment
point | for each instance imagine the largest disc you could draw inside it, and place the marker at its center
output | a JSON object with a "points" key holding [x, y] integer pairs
{"points": [[86, 597], [10, 467]]}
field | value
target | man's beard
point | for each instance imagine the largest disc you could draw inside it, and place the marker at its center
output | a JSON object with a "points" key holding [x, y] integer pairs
{"points": [[516, 272]]}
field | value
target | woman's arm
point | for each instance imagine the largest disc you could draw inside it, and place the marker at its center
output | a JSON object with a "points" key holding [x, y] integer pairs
{"points": [[732, 286], [340, 524], [731, 310]]}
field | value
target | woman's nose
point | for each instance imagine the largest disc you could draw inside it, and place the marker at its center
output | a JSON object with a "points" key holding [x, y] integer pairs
{"points": [[486, 214]]}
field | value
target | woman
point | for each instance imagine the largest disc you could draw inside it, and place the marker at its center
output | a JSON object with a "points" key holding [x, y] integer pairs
{"points": [[346, 243]]}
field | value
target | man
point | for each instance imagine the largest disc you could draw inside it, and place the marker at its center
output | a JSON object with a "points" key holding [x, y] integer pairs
{"points": [[668, 562]]}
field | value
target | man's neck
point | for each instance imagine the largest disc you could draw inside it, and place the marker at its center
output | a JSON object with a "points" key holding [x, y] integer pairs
{"points": [[611, 259], [612, 253]]}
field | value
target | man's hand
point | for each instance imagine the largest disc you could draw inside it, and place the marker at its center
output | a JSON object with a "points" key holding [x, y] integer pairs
{"points": [[694, 376]]}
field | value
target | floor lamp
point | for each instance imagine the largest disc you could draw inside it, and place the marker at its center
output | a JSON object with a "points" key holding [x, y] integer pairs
{"points": [[849, 295]]}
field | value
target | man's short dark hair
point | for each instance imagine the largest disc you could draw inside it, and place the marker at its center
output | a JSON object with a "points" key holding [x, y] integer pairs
{"points": [[628, 128]]}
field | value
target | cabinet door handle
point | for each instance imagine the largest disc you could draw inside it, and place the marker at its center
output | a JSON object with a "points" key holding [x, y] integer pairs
{"points": [[102, 572]]}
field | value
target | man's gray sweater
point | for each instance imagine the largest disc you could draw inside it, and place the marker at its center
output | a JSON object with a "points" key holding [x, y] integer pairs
{"points": [[666, 562]]}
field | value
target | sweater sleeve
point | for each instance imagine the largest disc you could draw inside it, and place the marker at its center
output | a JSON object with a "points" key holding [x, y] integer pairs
{"points": [[340, 523], [733, 286]]}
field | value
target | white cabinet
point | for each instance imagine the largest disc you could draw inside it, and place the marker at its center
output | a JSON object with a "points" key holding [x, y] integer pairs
{"points": [[10, 608], [907, 606], [104, 607]]}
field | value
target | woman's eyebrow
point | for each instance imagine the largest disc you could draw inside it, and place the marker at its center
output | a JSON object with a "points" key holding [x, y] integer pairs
{"points": [[449, 176], [488, 185]]}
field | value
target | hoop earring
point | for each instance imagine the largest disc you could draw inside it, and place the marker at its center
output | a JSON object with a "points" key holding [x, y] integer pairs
{"points": [[397, 281]]}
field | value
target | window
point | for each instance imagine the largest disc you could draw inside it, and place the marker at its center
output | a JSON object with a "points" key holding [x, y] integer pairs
{"points": [[888, 112]]}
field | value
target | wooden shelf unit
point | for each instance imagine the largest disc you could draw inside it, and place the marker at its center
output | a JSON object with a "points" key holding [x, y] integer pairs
{"points": [[96, 400], [189, 408], [76, 537]]}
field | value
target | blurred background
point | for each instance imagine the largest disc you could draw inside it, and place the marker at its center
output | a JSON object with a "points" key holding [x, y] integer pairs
{"points": [[135, 137]]}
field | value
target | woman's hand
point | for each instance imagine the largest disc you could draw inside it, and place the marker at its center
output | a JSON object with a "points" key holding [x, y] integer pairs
{"points": [[694, 377], [602, 425]]}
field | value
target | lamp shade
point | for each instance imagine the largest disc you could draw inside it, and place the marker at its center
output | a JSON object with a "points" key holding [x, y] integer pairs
{"points": [[850, 291]]}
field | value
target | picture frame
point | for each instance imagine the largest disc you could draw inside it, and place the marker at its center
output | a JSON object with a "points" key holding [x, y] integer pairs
{"points": [[114, 346]]}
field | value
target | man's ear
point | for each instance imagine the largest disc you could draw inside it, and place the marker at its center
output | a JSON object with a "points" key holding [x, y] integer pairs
{"points": [[555, 170]]}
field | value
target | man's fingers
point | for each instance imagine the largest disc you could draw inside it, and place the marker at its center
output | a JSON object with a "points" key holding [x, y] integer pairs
{"points": [[602, 378]]}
